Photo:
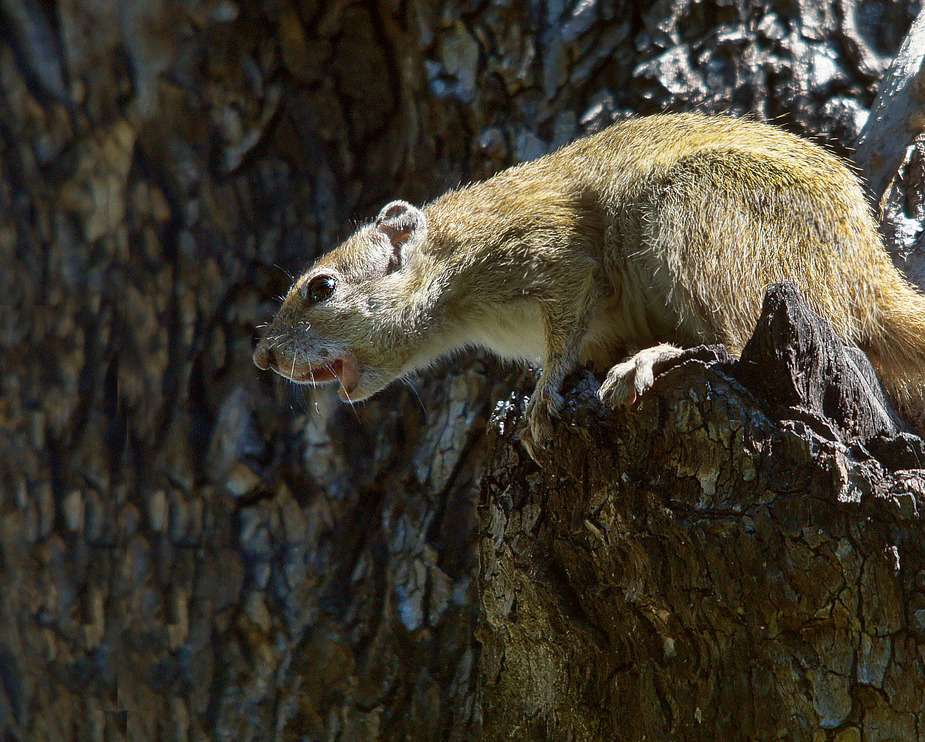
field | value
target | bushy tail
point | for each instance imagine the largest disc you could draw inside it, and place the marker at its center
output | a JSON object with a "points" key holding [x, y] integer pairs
{"points": [[896, 346]]}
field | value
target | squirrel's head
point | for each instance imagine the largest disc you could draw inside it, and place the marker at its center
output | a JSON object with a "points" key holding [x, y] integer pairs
{"points": [[348, 317]]}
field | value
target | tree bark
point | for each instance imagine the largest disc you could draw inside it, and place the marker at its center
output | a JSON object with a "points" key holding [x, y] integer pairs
{"points": [[891, 154], [737, 557], [193, 550], [897, 116]]}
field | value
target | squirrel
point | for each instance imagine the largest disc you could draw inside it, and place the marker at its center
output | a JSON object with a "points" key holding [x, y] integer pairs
{"points": [[619, 249]]}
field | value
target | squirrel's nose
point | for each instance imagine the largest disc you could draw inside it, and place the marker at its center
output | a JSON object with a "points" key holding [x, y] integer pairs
{"points": [[263, 356]]}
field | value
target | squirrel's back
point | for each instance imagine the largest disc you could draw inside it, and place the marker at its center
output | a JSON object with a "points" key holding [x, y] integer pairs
{"points": [[693, 216]]}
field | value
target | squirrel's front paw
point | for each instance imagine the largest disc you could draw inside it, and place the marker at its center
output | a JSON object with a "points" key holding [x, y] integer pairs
{"points": [[626, 381], [619, 388], [543, 406]]}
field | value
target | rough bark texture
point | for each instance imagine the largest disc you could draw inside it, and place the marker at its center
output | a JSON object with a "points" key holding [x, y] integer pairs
{"points": [[891, 154], [697, 569], [897, 115], [192, 550]]}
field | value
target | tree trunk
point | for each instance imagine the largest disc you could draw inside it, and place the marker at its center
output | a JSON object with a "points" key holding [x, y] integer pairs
{"points": [[891, 154], [897, 116], [738, 557], [191, 549]]}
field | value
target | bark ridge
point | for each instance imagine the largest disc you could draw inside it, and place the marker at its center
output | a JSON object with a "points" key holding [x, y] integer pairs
{"points": [[738, 557]]}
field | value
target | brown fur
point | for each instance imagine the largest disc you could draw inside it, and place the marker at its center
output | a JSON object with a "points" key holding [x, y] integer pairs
{"points": [[664, 229]]}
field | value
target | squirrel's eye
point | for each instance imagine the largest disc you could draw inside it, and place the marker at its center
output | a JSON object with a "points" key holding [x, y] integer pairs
{"points": [[320, 288]]}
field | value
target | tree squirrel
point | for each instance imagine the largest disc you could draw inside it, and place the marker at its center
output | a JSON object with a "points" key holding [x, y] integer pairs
{"points": [[661, 229]]}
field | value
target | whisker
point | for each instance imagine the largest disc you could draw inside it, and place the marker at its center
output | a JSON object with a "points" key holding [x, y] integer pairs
{"points": [[303, 402], [413, 387], [347, 397], [352, 404]]}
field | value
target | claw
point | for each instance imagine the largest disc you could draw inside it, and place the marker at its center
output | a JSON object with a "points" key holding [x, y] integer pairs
{"points": [[543, 406]]}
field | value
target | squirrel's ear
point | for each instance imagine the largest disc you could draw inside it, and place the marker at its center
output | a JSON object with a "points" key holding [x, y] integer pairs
{"points": [[402, 225]]}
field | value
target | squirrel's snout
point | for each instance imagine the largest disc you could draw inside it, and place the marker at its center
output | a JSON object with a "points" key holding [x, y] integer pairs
{"points": [[263, 357]]}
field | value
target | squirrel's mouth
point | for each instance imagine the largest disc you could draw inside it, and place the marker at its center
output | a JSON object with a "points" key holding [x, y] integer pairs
{"points": [[343, 370], [320, 374]]}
